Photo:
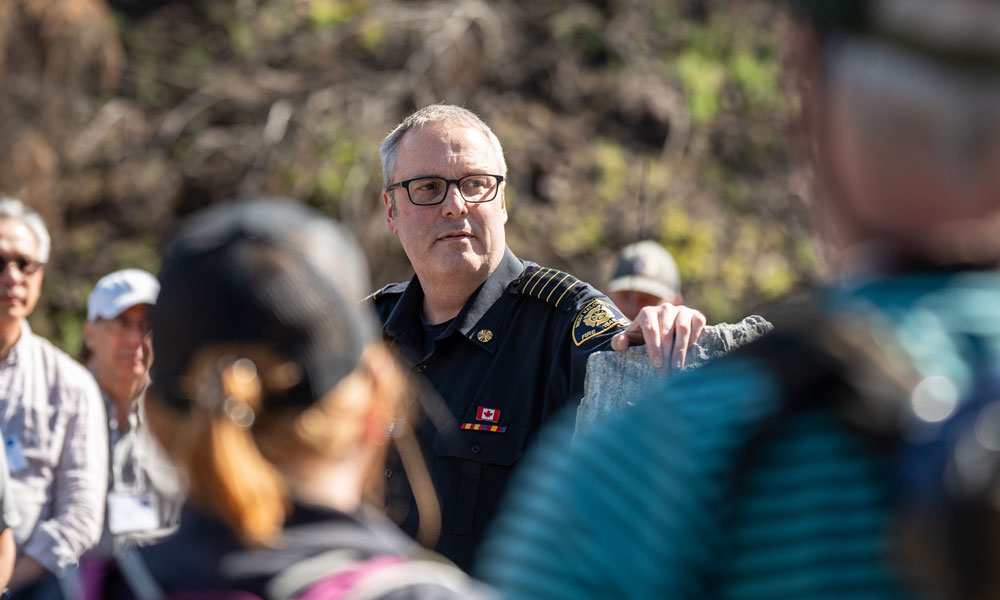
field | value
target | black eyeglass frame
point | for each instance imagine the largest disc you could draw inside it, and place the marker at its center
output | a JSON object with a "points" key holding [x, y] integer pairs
{"points": [[447, 184], [24, 265]]}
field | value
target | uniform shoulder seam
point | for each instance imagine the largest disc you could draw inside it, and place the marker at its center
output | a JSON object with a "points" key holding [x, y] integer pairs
{"points": [[392, 288]]}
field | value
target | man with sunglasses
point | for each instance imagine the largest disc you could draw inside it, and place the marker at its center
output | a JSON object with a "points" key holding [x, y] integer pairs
{"points": [[143, 488], [51, 417], [503, 341]]}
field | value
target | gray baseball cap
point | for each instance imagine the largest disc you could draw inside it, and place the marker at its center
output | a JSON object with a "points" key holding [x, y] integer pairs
{"points": [[646, 267]]}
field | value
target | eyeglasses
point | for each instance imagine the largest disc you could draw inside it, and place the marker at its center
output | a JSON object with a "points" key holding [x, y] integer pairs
{"points": [[23, 264], [427, 191]]}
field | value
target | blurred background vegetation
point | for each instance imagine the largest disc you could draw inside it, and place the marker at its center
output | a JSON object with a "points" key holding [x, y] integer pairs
{"points": [[620, 119]]}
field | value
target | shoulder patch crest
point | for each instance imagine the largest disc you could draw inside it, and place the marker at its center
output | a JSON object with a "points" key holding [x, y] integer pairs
{"points": [[549, 285], [596, 317]]}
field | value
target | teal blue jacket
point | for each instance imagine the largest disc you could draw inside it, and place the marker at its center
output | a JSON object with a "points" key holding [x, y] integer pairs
{"points": [[663, 502]]}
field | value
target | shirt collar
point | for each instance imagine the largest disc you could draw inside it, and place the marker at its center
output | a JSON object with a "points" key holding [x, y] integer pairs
{"points": [[487, 295], [20, 345], [406, 314], [109, 407]]}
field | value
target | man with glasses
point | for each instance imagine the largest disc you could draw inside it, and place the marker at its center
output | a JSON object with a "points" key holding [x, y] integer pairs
{"points": [[503, 341], [143, 488], [51, 417]]}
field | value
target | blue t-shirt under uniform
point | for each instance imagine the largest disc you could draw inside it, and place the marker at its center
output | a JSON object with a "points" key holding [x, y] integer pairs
{"points": [[664, 501]]}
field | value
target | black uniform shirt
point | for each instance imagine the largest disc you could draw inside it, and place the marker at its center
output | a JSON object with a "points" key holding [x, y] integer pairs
{"points": [[513, 357]]}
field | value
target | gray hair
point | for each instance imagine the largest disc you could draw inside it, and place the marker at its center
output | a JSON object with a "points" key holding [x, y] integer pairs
{"points": [[432, 114], [12, 208]]}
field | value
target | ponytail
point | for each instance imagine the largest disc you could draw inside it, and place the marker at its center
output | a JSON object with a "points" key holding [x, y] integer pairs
{"points": [[230, 455], [213, 443]]}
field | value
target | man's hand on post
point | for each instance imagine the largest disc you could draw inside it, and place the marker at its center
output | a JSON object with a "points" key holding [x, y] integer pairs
{"points": [[666, 330]]}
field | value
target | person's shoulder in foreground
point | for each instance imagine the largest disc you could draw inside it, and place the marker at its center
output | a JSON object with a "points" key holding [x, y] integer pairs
{"points": [[625, 510], [753, 479], [715, 485]]}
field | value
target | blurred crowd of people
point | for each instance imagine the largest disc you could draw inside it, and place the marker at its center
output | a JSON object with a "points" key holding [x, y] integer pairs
{"points": [[253, 420]]}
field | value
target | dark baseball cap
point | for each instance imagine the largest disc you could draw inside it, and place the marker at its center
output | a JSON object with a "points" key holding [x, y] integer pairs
{"points": [[266, 272]]}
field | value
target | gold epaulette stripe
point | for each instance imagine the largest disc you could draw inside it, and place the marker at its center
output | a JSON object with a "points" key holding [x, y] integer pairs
{"points": [[550, 278], [566, 291], [532, 290], [555, 287], [525, 286], [545, 282]]}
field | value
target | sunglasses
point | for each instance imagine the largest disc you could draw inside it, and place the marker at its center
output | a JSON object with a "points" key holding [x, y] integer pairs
{"points": [[23, 264]]}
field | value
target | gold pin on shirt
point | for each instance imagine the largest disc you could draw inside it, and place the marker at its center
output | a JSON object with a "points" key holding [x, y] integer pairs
{"points": [[484, 335]]}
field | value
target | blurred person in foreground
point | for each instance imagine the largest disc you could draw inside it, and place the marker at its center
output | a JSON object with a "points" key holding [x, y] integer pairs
{"points": [[51, 416], [645, 275], [8, 519], [272, 394], [503, 341], [143, 488], [853, 452]]}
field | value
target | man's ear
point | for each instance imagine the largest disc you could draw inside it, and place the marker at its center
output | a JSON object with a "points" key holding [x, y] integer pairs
{"points": [[503, 200], [390, 210]]}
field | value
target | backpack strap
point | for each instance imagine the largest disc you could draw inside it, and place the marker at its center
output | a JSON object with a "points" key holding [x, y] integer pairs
{"points": [[137, 575], [338, 575], [339, 584], [389, 578]]}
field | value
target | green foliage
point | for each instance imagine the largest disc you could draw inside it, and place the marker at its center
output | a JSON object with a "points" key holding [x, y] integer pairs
{"points": [[70, 331], [137, 253], [585, 233], [241, 36], [582, 95], [692, 242], [147, 82], [609, 158], [372, 34], [325, 14], [758, 75], [702, 78], [580, 28]]}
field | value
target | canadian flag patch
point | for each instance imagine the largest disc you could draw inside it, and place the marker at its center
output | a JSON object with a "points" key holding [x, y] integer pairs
{"points": [[487, 414]]}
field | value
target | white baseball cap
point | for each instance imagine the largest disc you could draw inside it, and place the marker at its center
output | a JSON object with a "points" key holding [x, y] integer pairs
{"points": [[119, 291]]}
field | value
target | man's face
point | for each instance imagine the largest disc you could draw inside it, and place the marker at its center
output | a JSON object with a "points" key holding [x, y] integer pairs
{"points": [[122, 347], [454, 239], [19, 291], [632, 301]]}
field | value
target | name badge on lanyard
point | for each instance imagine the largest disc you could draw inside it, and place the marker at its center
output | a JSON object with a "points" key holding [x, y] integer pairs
{"points": [[15, 455], [128, 513]]}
